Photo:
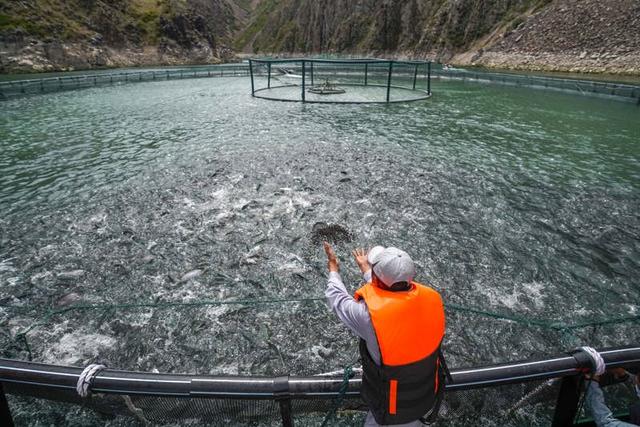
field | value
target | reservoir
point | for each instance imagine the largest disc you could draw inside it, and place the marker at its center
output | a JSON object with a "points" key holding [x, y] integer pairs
{"points": [[137, 202]]}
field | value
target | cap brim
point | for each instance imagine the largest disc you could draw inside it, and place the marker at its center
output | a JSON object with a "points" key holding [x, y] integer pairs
{"points": [[374, 254]]}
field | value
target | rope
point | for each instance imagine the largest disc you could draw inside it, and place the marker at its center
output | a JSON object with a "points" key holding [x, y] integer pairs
{"points": [[545, 323], [598, 367], [85, 380], [348, 373], [139, 413], [542, 388], [565, 329], [582, 398]]}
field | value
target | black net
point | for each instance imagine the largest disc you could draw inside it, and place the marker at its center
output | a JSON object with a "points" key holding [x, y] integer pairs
{"points": [[12, 89], [618, 91], [529, 403]]}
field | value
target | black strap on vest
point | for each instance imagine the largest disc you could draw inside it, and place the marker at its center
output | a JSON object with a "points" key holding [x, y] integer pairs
{"points": [[432, 416], [416, 393], [445, 368]]}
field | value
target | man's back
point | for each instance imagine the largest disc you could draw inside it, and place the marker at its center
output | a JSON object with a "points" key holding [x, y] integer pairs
{"points": [[408, 327]]}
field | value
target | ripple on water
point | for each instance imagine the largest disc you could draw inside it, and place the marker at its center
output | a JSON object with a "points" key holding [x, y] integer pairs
{"points": [[514, 201]]}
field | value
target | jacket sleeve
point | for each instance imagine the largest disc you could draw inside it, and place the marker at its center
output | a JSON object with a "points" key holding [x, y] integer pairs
{"points": [[352, 313]]}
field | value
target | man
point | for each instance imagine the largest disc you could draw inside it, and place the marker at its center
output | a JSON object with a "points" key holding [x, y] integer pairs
{"points": [[594, 398], [401, 326]]}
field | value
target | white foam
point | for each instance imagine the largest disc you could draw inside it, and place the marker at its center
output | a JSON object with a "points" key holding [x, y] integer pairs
{"points": [[142, 318], [75, 347], [219, 194], [521, 296], [7, 265], [183, 231]]}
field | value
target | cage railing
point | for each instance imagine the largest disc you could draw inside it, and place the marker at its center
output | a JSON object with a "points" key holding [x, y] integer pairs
{"points": [[618, 91], [14, 88], [59, 382]]}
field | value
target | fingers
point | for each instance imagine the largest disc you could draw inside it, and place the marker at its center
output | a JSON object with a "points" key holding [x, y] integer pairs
{"points": [[328, 250], [359, 252]]}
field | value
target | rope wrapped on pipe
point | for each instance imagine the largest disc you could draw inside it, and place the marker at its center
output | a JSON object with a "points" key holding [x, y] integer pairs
{"points": [[85, 380]]}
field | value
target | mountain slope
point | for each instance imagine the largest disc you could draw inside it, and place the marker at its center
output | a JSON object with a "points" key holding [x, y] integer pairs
{"points": [[563, 35], [374, 25], [569, 35], [558, 35]]}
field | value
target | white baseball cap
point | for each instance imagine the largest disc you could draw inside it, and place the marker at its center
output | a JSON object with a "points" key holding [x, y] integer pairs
{"points": [[391, 265]]}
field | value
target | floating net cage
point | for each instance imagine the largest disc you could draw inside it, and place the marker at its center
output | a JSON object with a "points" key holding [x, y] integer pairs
{"points": [[283, 382], [334, 81], [36, 86]]}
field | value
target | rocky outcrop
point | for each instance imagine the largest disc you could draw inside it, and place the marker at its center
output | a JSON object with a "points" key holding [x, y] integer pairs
{"points": [[40, 56], [50, 35], [569, 35]]}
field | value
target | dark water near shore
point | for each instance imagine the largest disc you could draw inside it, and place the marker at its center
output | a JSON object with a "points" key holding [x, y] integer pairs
{"points": [[514, 201]]}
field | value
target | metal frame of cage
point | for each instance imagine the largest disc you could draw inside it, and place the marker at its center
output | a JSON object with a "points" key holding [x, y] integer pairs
{"points": [[59, 382], [307, 69]]}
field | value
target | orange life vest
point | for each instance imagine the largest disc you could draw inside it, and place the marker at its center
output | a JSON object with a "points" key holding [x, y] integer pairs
{"points": [[409, 326]]}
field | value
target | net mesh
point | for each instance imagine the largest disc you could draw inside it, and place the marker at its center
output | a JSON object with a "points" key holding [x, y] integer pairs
{"points": [[529, 403], [377, 74], [12, 89], [618, 91]]}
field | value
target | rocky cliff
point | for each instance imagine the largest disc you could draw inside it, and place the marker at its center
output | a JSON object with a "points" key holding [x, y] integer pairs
{"points": [[45, 35], [566, 35], [377, 26]]}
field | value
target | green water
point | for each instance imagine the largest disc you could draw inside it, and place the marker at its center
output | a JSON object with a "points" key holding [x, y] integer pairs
{"points": [[516, 201]]}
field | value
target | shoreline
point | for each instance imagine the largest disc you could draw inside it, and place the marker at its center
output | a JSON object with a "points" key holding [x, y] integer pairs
{"points": [[625, 67], [513, 68]]}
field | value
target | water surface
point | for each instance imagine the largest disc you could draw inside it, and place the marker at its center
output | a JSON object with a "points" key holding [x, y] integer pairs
{"points": [[514, 201]]}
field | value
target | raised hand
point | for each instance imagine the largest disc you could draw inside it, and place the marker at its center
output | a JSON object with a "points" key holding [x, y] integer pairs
{"points": [[332, 260], [360, 256]]}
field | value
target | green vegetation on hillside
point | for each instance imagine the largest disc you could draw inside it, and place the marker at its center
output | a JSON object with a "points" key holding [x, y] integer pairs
{"points": [[257, 24], [118, 22]]}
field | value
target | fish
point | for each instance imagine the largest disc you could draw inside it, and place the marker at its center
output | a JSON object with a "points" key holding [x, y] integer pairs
{"points": [[191, 275], [70, 275]]}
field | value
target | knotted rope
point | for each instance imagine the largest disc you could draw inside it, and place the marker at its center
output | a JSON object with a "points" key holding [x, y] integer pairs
{"points": [[85, 380]]}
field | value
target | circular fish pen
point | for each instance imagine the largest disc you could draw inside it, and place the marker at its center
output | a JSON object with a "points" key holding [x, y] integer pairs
{"points": [[333, 81], [150, 227]]}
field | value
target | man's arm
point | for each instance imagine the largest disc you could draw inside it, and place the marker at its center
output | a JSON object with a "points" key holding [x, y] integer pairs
{"points": [[352, 313], [601, 414]]}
